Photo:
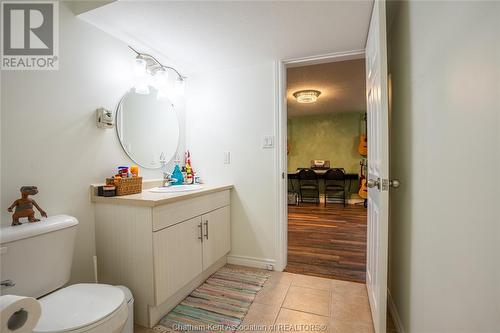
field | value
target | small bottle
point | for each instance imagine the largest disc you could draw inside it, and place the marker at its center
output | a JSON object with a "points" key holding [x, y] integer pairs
{"points": [[184, 173], [177, 174], [134, 170], [189, 169]]}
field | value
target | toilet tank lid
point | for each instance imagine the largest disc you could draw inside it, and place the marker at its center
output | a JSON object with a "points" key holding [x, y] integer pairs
{"points": [[26, 230]]}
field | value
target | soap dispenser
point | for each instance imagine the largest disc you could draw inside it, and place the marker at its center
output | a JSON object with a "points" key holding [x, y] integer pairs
{"points": [[177, 173]]}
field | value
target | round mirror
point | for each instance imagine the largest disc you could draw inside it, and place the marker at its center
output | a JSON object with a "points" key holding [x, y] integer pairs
{"points": [[148, 128]]}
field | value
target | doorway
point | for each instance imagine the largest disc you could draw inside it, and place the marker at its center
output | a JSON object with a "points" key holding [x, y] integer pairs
{"points": [[326, 155], [378, 180]]}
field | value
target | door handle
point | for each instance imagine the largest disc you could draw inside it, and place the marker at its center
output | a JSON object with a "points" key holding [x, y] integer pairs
{"points": [[206, 229], [395, 183], [371, 183], [200, 237]]}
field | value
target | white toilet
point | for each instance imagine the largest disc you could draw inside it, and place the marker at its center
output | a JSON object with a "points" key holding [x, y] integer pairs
{"points": [[36, 261]]}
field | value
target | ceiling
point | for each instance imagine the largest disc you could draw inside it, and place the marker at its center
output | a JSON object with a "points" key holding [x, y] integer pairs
{"points": [[213, 35], [342, 86]]}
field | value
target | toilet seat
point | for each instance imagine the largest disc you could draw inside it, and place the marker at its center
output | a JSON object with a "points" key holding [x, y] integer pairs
{"points": [[82, 307]]}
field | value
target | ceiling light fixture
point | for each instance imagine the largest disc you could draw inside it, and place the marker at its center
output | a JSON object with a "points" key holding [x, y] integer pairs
{"points": [[307, 96], [148, 71]]}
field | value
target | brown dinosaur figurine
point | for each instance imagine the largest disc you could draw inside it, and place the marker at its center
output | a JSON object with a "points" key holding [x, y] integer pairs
{"points": [[24, 206]]}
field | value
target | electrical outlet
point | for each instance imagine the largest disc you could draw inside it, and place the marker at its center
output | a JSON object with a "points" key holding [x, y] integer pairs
{"points": [[270, 267], [227, 157]]}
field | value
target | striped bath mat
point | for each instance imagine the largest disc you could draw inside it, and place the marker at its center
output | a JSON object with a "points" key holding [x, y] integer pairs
{"points": [[219, 304]]}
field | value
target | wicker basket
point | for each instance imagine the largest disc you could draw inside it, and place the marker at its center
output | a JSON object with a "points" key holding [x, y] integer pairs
{"points": [[125, 186]]}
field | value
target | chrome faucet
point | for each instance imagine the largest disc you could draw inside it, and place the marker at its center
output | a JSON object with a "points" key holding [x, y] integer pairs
{"points": [[167, 179], [167, 176]]}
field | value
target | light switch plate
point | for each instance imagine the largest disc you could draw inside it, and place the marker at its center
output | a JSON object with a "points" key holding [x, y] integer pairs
{"points": [[268, 141], [227, 157]]}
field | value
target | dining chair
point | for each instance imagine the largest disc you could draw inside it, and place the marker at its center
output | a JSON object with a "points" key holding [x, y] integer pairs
{"points": [[308, 185], [335, 185]]}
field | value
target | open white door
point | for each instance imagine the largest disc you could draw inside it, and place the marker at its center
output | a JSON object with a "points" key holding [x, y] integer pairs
{"points": [[378, 166]]}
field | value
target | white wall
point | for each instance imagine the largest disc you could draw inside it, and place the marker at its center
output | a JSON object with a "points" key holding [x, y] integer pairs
{"points": [[232, 110], [48, 132], [445, 219]]}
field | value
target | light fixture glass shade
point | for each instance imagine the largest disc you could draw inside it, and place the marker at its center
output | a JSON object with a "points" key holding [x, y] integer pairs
{"points": [[307, 96], [160, 79], [160, 82], [139, 66], [141, 77]]}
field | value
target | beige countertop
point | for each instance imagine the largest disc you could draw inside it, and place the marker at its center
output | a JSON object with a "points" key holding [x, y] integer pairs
{"points": [[151, 199]]}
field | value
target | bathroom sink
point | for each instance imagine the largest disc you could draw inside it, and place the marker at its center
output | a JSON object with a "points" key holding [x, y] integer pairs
{"points": [[176, 188]]}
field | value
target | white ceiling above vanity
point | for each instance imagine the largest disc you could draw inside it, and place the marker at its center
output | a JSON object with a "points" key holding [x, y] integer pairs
{"points": [[202, 36]]}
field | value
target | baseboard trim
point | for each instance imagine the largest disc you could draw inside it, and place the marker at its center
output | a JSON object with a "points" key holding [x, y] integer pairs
{"points": [[251, 261], [394, 313]]}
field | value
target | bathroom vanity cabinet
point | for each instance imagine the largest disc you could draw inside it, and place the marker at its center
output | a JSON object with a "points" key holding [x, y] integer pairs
{"points": [[161, 246]]}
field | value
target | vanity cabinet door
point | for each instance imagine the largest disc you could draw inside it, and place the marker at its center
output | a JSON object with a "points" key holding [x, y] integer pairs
{"points": [[177, 257], [216, 235]]}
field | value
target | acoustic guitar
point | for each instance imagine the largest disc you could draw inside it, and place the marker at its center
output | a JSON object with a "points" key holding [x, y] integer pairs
{"points": [[363, 189], [363, 145], [363, 142]]}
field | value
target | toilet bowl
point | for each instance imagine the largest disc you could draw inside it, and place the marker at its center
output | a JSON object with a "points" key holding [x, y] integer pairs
{"points": [[92, 308]]}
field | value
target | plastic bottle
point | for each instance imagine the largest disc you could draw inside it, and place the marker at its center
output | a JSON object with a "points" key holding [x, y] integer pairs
{"points": [[177, 174]]}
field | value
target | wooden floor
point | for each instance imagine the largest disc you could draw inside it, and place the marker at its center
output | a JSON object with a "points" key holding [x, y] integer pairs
{"points": [[327, 242]]}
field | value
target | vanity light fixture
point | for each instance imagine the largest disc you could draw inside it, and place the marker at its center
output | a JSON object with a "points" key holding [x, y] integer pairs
{"points": [[307, 96], [148, 71], [160, 79], [141, 76]]}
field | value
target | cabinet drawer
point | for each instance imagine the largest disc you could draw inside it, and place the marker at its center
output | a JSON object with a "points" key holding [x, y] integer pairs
{"points": [[169, 214]]}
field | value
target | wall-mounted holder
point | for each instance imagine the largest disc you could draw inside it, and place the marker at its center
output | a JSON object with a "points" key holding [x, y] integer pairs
{"points": [[104, 118]]}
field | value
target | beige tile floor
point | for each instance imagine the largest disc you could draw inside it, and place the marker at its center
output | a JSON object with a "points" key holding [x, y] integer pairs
{"points": [[297, 303]]}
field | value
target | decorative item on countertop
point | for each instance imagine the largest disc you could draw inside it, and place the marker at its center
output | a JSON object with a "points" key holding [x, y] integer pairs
{"points": [[189, 169], [24, 206], [177, 173], [184, 173], [193, 177], [134, 170], [126, 185], [106, 191], [126, 181], [123, 171]]}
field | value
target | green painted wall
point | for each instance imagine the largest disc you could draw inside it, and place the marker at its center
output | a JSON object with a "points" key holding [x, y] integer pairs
{"points": [[333, 137]]}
